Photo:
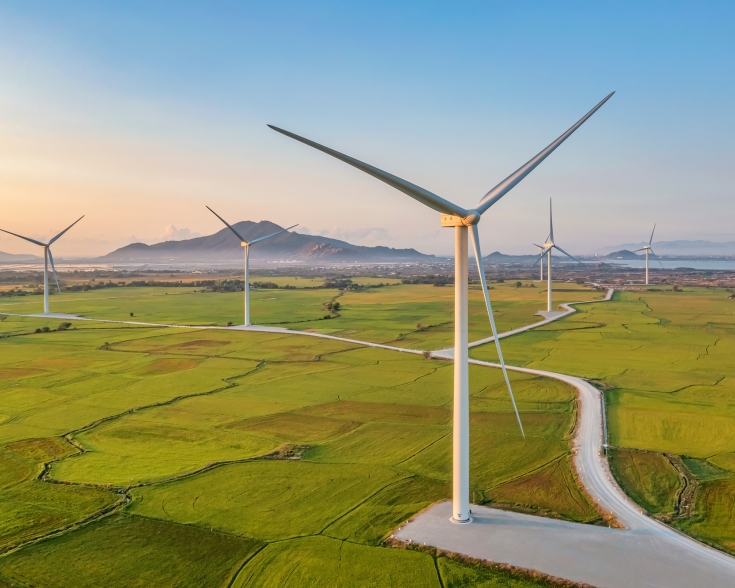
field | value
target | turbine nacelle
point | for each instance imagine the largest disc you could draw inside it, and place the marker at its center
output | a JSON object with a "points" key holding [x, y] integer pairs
{"points": [[452, 220]]}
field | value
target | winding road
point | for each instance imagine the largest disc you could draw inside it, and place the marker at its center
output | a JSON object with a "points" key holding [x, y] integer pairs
{"points": [[645, 553]]}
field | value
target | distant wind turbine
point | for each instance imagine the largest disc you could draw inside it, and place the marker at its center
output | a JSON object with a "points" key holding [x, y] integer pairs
{"points": [[46, 258], [648, 248], [541, 248], [548, 246], [461, 219], [247, 245]]}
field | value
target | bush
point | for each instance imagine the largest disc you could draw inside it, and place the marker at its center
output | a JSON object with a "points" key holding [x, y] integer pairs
{"points": [[264, 285], [436, 280], [63, 326]]}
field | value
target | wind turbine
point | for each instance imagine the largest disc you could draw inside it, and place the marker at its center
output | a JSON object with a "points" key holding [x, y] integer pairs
{"points": [[541, 247], [246, 245], [46, 258], [462, 219], [648, 248], [548, 246]]}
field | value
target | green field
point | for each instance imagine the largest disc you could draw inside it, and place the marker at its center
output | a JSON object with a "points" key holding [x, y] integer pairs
{"points": [[161, 456], [667, 357], [411, 316]]}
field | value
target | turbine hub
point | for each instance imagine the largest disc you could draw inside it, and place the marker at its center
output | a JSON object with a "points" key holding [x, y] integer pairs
{"points": [[452, 220]]}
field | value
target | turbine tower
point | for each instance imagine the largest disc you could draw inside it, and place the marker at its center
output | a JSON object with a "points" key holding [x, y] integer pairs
{"points": [[548, 246], [463, 221], [46, 258], [246, 245], [648, 248], [541, 248]]}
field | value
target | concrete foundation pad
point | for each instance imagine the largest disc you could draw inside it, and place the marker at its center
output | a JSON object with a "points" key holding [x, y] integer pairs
{"points": [[600, 556]]}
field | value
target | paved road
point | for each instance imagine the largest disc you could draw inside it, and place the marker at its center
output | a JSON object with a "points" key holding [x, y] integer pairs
{"points": [[645, 553]]}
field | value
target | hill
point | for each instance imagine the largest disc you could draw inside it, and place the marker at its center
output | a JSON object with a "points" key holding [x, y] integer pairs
{"points": [[17, 257], [623, 254], [290, 246], [680, 247]]}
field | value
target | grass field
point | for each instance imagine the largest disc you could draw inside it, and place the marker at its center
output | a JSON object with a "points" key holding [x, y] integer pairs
{"points": [[411, 316], [201, 457], [667, 357]]}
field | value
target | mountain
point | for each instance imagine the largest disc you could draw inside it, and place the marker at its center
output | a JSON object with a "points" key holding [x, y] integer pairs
{"points": [[502, 258], [17, 257], [623, 254], [680, 247], [289, 246], [497, 257]]}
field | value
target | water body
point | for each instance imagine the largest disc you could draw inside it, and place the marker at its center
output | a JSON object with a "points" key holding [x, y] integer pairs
{"points": [[699, 264]]}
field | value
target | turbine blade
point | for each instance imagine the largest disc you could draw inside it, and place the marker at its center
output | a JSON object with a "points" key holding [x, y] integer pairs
{"points": [[65, 230], [551, 223], [475, 233], [641, 249], [650, 241], [239, 236], [658, 259], [565, 253], [53, 267], [26, 238], [544, 251], [416, 192], [512, 180], [254, 241]]}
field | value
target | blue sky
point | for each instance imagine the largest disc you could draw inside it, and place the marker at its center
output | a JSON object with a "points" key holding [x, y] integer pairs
{"points": [[140, 113]]}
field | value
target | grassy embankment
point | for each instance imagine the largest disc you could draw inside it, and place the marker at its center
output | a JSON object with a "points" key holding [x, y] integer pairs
{"points": [[249, 458], [671, 409]]}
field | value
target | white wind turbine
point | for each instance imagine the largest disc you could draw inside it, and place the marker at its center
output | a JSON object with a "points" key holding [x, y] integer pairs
{"points": [[461, 219], [46, 258], [247, 245], [648, 248], [541, 249], [548, 246]]}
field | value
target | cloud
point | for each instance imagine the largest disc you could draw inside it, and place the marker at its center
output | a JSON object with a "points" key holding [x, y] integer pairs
{"points": [[174, 234]]}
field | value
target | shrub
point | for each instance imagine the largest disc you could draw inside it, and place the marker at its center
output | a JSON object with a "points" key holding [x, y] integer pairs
{"points": [[63, 326]]}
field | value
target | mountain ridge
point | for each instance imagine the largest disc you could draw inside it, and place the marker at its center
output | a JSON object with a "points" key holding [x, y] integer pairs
{"points": [[288, 246], [18, 257]]}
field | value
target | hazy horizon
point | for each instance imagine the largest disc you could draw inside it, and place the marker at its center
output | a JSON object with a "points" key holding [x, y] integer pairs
{"points": [[139, 115]]}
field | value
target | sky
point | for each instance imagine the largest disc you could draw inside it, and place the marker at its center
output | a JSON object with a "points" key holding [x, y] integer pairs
{"points": [[138, 114]]}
